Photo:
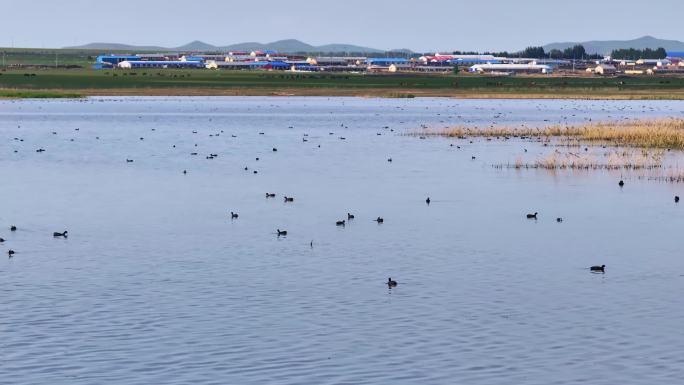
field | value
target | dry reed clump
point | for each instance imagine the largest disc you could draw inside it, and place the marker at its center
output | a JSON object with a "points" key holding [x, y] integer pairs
{"points": [[617, 160], [675, 175], [659, 133]]}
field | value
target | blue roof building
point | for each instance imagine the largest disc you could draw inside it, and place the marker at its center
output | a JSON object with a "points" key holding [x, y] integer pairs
{"points": [[276, 65], [115, 59], [471, 61], [386, 61], [192, 58]]}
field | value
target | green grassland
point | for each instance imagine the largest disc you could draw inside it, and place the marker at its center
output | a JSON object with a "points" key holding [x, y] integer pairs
{"points": [[221, 82], [34, 72], [33, 94], [46, 57]]}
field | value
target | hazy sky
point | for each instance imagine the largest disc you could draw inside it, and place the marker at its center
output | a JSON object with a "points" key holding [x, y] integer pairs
{"points": [[425, 25]]}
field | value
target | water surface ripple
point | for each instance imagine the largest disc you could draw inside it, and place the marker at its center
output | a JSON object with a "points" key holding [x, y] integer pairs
{"points": [[157, 285]]}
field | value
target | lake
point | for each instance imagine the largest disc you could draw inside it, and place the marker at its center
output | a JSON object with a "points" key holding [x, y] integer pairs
{"points": [[156, 284]]}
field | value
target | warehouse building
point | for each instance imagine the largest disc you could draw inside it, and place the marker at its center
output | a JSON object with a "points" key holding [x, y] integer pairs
{"points": [[605, 69], [386, 61], [191, 58], [418, 68], [252, 65], [653, 62], [111, 61], [131, 64], [471, 61], [439, 59], [336, 60], [512, 68], [231, 65]]}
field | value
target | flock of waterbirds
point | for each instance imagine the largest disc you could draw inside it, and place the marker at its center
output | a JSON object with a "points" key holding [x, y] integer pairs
{"points": [[13, 228], [283, 233], [233, 215], [341, 223], [595, 268], [392, 283]]}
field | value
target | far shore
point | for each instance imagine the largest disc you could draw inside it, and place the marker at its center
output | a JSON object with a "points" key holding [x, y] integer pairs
{"points": [[44, 83], [346, 92]]}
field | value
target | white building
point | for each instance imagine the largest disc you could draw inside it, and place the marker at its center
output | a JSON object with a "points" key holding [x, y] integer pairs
{"points": [[512, 68], [654, 62]]}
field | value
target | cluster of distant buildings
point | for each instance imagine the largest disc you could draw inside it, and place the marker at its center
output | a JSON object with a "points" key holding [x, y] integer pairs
{"points": [[672, 64], [270, 60], [264, 60]]}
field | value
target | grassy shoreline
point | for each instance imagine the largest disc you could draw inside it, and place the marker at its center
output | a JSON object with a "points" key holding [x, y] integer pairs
{"points": [[154, 82], [38, 94], [339, 92]]}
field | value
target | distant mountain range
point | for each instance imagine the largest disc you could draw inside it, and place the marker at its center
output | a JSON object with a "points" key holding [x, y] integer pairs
{"points": [[605, 47], [602, 47], [284, 46]]}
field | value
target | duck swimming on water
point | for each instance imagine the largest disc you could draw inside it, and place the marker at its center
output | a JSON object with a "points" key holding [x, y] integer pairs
{"points": [[601, 268], [532, 216], [63, 234], [281, 233], [233, 215], [391, 282], [380, 220]]}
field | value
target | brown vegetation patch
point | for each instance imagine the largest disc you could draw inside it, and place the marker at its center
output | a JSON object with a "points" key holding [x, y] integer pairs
{"points": [[658, 133]]}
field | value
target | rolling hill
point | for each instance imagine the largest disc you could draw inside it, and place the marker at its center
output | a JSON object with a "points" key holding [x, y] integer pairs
{"points": [[605, 47], [284, 46], [117, 47]]}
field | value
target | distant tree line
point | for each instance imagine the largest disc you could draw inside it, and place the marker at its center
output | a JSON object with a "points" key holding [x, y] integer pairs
{"points": [[636, 54], [576, 52]]}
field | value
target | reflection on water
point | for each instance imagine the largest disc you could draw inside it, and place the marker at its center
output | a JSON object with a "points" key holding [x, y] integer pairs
{"points": [[156, 283]]}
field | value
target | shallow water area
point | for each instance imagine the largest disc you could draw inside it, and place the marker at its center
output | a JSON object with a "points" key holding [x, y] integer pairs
{"points": [[157, 284]]}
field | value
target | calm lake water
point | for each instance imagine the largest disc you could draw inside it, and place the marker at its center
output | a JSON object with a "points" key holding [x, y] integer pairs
{"points": [[157, 285]]}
